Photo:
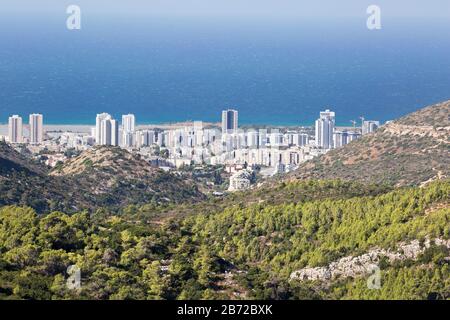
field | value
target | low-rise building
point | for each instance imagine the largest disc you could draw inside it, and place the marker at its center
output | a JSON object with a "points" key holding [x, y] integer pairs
{"points": [[241, 180]]}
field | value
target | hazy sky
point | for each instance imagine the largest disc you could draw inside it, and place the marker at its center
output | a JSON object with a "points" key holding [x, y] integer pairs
{"points": [[251, 8]]}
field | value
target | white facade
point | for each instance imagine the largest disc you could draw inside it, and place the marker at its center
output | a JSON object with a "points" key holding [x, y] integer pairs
{"points": [[340, 138], [276, 138], [128, 139], [127, 133], [241, 180], [262, 138], [107, 130], [36, 128], [161, 139], [252, 139], [128, 123], [98, 126], [300, 139], [15, 129], [145, 138], [370, 126], [352, 135], [325, 129], [93, 134]]}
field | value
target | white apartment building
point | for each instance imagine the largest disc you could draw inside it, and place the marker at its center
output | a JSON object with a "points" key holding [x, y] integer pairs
{"points": [[370, 126], [324, 129], [128, 123], [145, 138], [128, 139], [264, 157], [127, 132], [106, 130], [352, 135], [98, 123], [340, 138], [253, 139], [300, 139], [15, 129], [36, 128], [276, 138], [241, 180]]}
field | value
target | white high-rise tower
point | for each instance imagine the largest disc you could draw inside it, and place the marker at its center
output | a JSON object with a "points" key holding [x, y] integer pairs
{"points": [[15, 127], [98, 122], [324, 129], [128, 130], [128, 123], [106, 130], [36, 128], [114, 132]]}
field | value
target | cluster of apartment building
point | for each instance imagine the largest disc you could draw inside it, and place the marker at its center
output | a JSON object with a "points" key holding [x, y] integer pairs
{"points": [[328, 137], [107, 131], [35, 129], [281, 150]]}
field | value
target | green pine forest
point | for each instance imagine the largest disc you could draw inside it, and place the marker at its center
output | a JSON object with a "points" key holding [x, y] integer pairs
{"points": [[243, 249]]}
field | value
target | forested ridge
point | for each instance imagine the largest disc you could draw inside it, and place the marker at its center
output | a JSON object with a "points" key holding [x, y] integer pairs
{"points": [[245, 250]]}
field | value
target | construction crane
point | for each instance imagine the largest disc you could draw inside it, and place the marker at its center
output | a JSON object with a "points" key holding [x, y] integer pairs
{"points": [[362, 121], [354, 124]]}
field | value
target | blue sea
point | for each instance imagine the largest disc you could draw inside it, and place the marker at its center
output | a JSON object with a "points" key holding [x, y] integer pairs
{"points": [[273, 72]]}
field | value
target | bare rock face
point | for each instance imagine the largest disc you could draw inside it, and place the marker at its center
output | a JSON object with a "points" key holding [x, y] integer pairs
{"points": [[362, 265]]}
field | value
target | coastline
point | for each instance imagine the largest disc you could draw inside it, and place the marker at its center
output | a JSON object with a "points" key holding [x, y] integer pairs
{"points": [[85, 128]]}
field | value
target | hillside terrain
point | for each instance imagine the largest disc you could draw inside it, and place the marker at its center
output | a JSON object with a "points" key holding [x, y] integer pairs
{"points": [[410, 151], [238, 252], [116, 177], [303, 237], [24, 182], [11, 160], [98, 178]]}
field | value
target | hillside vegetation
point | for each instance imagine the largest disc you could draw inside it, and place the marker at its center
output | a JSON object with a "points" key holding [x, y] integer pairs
{"points": [[118, 178], [100, 178], [239, 252], [24, 182]]}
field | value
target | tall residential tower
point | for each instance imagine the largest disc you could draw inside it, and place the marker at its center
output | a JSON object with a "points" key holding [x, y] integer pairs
{"points": [[128, 130], [229, 121], [15, 127], [324, 129], [128, 123], [36, 128], [106, 130]]}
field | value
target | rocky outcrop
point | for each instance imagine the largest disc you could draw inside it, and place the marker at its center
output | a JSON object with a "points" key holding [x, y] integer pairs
{"points": [[362, 265], [440, 134]]}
